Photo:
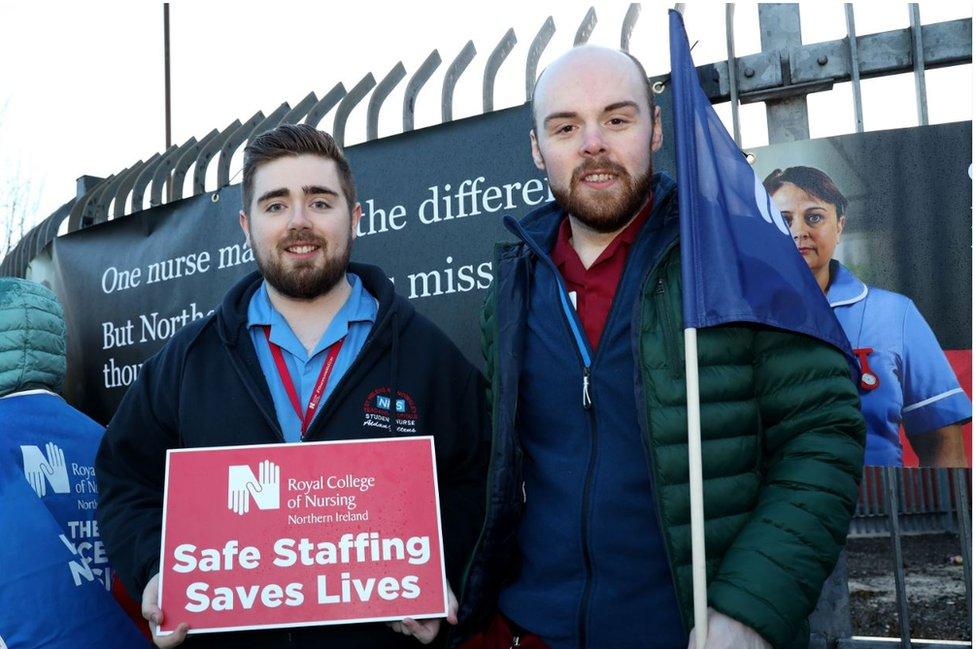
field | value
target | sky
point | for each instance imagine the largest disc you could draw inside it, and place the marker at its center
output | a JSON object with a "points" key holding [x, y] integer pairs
{"points": [[82, 92]]}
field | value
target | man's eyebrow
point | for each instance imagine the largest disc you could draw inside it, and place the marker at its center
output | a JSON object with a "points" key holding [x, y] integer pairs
{"points": [[274, 193], [562, 115], [622, 104], [311, 190]]}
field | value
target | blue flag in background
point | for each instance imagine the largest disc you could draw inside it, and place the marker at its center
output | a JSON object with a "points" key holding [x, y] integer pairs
{"points": [[738, 259]]}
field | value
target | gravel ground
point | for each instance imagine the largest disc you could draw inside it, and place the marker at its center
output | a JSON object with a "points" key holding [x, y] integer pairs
{"points": [[934, 583]]}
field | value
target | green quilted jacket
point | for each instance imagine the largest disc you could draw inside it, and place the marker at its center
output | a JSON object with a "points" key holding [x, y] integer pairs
{"points": [[783, 444], [32, 354]]}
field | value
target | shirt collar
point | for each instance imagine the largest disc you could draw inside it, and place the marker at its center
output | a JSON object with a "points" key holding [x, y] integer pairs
{"points": [[845, 288], [360, 306], [563, 251]]}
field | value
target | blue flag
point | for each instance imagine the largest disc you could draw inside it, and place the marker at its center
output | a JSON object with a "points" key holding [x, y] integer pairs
{"points": [[738, 259]]}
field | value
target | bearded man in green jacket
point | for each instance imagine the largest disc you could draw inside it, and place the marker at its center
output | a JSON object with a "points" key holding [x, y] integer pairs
{"points": [[587, 538]]}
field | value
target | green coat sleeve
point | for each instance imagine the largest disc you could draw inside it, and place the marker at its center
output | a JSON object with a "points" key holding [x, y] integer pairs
{"points": [[812, 454]]}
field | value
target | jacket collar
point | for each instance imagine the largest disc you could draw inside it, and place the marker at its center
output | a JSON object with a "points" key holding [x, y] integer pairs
{"points": [[232, 313], [845, 288]]}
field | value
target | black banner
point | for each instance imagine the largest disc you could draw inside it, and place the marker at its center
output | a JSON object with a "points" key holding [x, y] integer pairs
{"points": [[433, 202]]}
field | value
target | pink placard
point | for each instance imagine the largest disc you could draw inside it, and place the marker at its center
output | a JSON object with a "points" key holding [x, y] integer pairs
{"points": [[286, 535]]}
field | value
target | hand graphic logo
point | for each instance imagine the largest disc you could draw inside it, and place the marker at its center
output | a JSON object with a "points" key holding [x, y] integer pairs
{"points": [[242, 486], [41, 471]]}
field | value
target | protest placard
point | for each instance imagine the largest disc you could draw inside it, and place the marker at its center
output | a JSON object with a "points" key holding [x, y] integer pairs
{"points": [[301, 534]]}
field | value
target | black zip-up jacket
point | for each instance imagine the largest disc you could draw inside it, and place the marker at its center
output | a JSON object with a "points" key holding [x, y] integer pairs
{"points": [[206, 388]]}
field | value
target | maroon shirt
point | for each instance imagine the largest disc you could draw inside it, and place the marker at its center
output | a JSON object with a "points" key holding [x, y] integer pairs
{"points": [[596, 286]]}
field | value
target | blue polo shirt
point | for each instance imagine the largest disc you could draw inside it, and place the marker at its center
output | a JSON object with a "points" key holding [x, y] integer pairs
{"points": [[354, 320], [917, 387]]}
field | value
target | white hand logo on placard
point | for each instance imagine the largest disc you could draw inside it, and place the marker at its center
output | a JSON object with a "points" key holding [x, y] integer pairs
{"points": [[41, 471], [242, 485]]}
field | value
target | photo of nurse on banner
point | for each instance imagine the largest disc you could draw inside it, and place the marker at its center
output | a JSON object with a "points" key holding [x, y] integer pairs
{"points": [[849, 220]]}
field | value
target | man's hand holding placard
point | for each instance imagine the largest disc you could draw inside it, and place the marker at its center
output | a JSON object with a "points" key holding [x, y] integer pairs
{"points": [[152, 614]]}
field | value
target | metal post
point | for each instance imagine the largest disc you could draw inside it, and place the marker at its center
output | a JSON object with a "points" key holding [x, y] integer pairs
{"points": [[944, 506], [539, 43], [733, 75], [779, 29], [451, 76], [855, 68], [169, 127], [633, 11], [890, 479], [585, 30], [417, 81], [495, 60], [965, 535], [918, 59], [169, 133]]}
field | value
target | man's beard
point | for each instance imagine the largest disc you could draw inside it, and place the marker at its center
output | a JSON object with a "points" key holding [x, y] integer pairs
{"points": [[304, 281], [607, 213]]}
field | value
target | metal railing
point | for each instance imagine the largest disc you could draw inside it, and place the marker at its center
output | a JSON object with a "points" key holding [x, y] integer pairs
{"points": [[781, 75], [896, 501], [926, 502]]}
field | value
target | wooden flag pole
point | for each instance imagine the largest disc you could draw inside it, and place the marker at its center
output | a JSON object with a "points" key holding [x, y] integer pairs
{"points": [[695, 484]]}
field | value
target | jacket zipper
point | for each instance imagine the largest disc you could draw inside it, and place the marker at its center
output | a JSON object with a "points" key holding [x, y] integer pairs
{"points": [[646, 436], [670, 344], [245, 379], [587, 401], [585, 529]]}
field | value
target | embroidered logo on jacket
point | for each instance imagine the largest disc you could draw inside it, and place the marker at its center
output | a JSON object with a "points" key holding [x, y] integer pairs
{"points": [[376, 411]]}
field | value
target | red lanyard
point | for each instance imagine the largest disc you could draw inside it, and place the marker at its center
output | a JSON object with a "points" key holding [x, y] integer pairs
{"points": [[323, 380]]}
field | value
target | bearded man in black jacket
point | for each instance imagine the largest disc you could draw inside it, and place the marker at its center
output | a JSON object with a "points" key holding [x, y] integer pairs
{"points": [[308, 323]]}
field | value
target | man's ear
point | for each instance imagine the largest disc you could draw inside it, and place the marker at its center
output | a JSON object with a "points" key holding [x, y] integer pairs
{"points": [[657, 137], [245, 227], [357, 214], [537, 158]]}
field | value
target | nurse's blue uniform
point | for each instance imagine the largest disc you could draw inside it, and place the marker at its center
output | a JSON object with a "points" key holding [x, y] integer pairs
{"points": [[906, 378]]}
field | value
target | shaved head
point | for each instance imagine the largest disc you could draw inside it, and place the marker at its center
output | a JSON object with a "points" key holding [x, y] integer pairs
{"points": [[568, 64]]}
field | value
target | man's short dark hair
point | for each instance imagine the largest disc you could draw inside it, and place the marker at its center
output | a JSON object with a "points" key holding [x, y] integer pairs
{"points": [[812, 181], [640, 70], [294, 140]]}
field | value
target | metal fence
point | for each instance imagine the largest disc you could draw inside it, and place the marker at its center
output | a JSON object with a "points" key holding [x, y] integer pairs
{"points": [[927, 502], [781, 75], [897, 501], [892, 501]]}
